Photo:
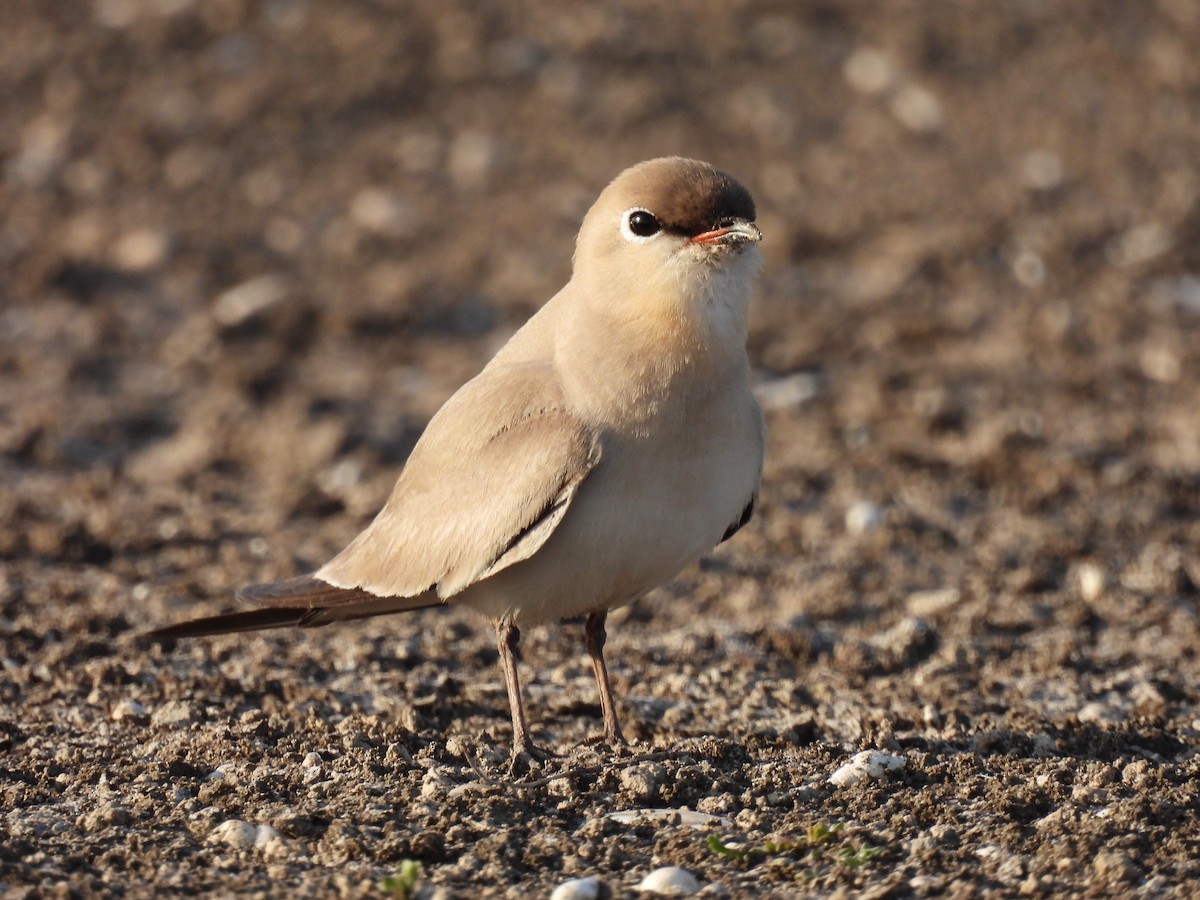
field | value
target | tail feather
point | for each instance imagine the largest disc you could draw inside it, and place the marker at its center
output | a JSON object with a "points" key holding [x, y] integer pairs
{"points": [[306, 602], [253, 620]]}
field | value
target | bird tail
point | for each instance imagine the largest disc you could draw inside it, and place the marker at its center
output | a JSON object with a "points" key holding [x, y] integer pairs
{"points": [[306, 602]]}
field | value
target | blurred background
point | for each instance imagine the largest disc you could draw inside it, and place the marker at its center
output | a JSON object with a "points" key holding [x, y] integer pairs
{"points": [[248, 248]]}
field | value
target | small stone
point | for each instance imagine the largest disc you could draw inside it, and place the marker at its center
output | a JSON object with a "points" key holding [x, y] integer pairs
{"points": [[688, 817], [917, 108], [868, 765], [128, 709], [928, 603], [1029, 268], [671, 881], [474, 156], [1161, 364], [578, 889], [383, 212], [869, 71], [789, 391], [312, 760], [863, 516], [173, 714], [1140, 244], [643, 781], [248, 299], [243, 836], [1042, 170], [235, 833], [1091, 579], [141, 250]]}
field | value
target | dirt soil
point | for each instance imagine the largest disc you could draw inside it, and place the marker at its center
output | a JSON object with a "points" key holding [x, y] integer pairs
{"points": [[248, 248]]}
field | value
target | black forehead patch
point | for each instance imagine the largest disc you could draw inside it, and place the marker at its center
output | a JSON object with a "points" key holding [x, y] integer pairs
{"points": [[691, 197]]}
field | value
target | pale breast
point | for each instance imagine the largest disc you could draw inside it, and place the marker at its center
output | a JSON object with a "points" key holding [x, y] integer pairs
{"points": [[654, 505]]}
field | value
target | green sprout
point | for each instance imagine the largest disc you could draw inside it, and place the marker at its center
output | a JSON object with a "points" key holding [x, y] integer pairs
{"points": [[819, 847], [403, 884]]}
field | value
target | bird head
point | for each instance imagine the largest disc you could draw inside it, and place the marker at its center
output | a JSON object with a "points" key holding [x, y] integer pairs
{"points": [[673, 227]]}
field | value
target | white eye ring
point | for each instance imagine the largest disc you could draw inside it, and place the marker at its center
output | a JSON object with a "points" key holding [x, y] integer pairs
{"points": [[642, 220]]}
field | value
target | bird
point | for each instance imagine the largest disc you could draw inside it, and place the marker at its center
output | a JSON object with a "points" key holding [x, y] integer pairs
{"points": [[611, 442]]}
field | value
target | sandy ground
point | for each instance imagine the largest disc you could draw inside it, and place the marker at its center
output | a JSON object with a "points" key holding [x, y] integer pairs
{"points": [[249, 248]]}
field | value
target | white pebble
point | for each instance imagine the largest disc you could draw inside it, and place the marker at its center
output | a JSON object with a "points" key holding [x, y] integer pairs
{"points": [[577, 889], [141, 250], [235, 833], [1029, 268], [688, 817], [312, 760], [864, 766], [932, 602], [1140, 244], [173, 713], [383, 212], [789, 391], [863, 516], [917, 108], [643, 781], [1091, 581], [670, 880], [128, 709], [869, 71], [247, 299], [1042, 170], [243, 836]]}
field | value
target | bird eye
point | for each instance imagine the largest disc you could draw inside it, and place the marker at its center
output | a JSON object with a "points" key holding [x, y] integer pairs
{"points": [[639, 225]]}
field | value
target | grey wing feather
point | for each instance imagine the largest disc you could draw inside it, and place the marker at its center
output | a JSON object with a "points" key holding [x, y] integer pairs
{"points": [[487, 484]]}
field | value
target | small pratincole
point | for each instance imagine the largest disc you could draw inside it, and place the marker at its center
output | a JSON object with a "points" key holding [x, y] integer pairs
{"points": [[610, 443]]}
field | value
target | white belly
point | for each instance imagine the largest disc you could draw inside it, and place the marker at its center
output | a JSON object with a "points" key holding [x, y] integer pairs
{"points": [[653, 506]]}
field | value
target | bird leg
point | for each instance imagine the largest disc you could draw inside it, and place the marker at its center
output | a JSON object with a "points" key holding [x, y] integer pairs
{"points": [[508, 636], [595, 636]]}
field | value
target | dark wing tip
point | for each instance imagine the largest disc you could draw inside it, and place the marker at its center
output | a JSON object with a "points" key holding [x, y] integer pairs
{"points": [[253, 620]]}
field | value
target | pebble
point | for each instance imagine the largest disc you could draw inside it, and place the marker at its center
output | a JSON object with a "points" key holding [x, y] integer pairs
{"points": [[141, 250], [789, 391], [248, 299], [383, 212], [1091, 580], [235, 833], [688, 817], [243, 836], [863, 516], [928, 603], [869, 71], [128, 709], [173, 713], [868, 765], [578, 889], [670, 880], [1042, 170], [643, 781], [917, 108]]}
